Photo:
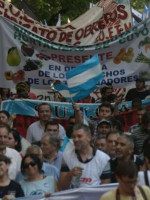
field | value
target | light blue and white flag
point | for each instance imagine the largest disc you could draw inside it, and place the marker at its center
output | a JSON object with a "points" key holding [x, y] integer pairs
{"points": [[85, 76], [64, 91]]}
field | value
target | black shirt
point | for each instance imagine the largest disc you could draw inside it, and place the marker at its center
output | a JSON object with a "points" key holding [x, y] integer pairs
{"points": [[133, 93], [13, 188]]}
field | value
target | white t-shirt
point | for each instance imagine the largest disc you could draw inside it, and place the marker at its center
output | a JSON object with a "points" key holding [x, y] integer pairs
{"points": [[92, 170], [141, 178], [35, 132], [15, 162]]}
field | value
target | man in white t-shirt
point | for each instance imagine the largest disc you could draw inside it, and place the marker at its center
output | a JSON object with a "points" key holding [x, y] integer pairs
{"points": [[9, 152], [83, 166], [36, 129]]}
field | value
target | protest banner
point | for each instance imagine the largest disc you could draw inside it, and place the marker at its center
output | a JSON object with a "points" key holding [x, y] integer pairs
{"points": [[26, 112], [77, 194], [29, 57], [105, 19]]}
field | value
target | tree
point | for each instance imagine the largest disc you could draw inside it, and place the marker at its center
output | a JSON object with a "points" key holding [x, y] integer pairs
{"points": [[49, 9]]}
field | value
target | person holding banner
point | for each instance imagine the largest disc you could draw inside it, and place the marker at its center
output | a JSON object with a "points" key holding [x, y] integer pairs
{"points": [[36, 183], [83, 166], [36, 129], [126, 174]]}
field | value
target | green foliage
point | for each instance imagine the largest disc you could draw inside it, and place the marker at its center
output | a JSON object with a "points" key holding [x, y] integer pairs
{"points": [[49, 9]]}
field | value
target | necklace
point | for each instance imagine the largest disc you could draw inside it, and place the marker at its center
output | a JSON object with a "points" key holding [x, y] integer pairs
{"points": [[118, 195]]}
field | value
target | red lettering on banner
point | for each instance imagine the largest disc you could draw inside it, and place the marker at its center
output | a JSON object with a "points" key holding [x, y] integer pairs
{"points": [[26, 19], [34, 29], [120, 9], [95, 26], [7, 16], [51, 35], [110, 17], [79, 35], [110, 32], [86, 180], [12, 11], [69, 37], [88, 30], [43, 30], [126, 27], [62, 36], [1, 6], [118, 28]]}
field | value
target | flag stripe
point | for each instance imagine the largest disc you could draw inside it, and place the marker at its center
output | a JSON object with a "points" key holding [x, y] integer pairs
{"points": [[89, 64], [84, 76]]}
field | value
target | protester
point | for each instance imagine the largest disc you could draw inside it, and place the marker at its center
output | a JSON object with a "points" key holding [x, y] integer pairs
{"points": [[23, 91], [4, 117], [83, 166], [36, 183], [103, 127], [141, 133], [47, 169], [5, 94], [144, 176], [36, 129], [14, 140], [140, 112], [9, 189], [50, 145], [100, 143], [11, 153], [111, 142], [124, 152], [126, 175], [138, 92]]}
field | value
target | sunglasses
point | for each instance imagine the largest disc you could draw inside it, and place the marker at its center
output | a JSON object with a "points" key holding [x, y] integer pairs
{"points": [[32, 164]]}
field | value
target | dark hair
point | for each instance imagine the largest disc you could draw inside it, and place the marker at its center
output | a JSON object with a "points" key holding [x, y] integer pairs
{"points": [[127, 168], [107, 105], [135, 101], [16, 136], [5, 159], [104, 89], [42, 104], [112, 133], [5, 112], [35, 159], [5, 126], [51, 123], [86, 128]]}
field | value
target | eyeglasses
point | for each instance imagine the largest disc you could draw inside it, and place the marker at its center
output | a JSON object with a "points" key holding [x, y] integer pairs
{"points": [[32, 164]]}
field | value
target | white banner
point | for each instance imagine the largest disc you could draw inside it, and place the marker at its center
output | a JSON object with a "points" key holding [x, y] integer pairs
{"points": [[105, 20], [78, 194], [27, 56]]}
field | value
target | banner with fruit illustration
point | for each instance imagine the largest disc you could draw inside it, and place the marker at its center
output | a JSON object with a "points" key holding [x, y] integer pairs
{"points": [[27, 56], [105, 20]]}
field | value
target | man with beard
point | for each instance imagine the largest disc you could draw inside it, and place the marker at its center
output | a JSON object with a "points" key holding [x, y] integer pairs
{"points": [[36, 129], [124, 152]]}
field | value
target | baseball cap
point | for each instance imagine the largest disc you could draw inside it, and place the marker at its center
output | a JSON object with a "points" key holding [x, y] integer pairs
{"points": [[104, 121]]}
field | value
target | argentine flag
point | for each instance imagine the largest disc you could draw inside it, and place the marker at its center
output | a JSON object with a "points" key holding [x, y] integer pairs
{"points": [[85, 76], [81, 81]]}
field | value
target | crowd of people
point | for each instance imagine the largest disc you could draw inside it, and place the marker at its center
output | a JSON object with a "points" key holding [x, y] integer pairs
{"points": [[52, 157]]}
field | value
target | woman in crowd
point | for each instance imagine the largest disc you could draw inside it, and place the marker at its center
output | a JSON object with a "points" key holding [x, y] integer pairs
{"points": [[36, 183], [8, 189], [14, 140]]}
